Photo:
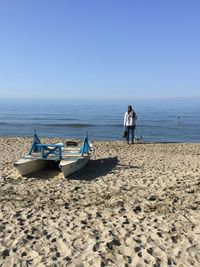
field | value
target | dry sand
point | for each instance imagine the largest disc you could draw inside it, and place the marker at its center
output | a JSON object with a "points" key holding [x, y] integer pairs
{"points": [[133, 205]]}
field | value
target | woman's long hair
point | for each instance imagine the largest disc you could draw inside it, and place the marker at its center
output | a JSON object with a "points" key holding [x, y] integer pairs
{"points": [[130, 109]]}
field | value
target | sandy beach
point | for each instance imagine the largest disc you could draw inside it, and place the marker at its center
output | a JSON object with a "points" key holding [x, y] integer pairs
{"points": [[132, 205]]}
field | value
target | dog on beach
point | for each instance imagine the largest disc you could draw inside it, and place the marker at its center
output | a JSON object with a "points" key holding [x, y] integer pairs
{"points": [[138, 139]]}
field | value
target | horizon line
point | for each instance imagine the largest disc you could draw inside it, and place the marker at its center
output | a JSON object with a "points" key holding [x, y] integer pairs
{"points": [[102, 98]]}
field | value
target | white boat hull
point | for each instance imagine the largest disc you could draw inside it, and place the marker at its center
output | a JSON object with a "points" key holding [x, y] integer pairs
{"points": [[71, 165], [27, 166]]}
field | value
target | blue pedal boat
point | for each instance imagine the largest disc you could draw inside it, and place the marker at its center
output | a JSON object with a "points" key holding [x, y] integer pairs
{"points": [[69, 159]]}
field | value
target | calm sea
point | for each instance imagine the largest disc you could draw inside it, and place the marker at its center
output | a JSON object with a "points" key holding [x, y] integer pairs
{"points": [[158, 120]]}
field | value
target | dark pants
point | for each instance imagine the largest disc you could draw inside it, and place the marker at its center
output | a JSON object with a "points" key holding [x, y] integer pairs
{"points": [[130, 133]]}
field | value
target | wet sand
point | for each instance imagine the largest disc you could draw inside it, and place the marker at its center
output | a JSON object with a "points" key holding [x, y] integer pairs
{"points": [[132, 205]]}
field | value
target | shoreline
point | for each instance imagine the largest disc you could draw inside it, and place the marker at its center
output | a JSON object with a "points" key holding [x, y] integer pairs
{"points": [[121, 140], [133, 205]]}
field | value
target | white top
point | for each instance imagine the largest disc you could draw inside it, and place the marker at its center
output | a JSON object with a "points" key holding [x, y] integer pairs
{"points": [[129, 120]]}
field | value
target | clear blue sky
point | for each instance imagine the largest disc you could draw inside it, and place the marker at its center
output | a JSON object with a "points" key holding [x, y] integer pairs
{"points": [[99, 48]]}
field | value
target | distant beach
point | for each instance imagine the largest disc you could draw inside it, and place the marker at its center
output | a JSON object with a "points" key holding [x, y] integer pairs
{"points": [[132, 205]]}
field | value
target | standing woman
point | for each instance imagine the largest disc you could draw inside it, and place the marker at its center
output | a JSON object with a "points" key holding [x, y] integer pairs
{"points": [[129, 123]]}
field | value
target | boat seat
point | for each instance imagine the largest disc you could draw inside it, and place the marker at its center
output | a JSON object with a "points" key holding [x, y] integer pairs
{"points": [[50, 149]]}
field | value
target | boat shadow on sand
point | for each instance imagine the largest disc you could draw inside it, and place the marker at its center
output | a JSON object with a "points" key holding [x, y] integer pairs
{"points": [[95, 168]]}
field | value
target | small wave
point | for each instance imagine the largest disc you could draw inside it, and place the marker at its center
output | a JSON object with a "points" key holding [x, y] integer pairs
{"points": [[48, 119], [72, 125], [116, 125]]}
